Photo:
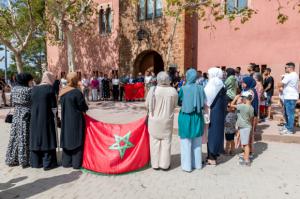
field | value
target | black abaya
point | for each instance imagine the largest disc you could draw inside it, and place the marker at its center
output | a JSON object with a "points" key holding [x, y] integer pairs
{"points": [[42, 127], [73, 126], [215, 143]]}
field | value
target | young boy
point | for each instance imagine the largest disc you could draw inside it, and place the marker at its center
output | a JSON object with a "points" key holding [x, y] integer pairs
{"points": [[245, 113], [230, 130]]}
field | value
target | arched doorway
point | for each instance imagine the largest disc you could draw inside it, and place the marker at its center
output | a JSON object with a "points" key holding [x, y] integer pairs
{"points": [[148, 60]]}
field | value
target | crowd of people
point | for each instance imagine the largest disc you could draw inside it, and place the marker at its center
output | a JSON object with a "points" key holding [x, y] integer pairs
{"points": [[219, 105], [102, 87]]}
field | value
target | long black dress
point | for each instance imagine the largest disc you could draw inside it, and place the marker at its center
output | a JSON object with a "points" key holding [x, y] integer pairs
{"points": [[42, 128], [73, 126], [215, 143]]}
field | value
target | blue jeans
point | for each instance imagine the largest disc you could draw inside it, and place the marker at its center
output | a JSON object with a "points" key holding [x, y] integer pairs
{"points": [[289, 112], [191, 153]]}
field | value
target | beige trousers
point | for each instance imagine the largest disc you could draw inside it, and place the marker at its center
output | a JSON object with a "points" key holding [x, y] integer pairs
{"points": [[160, 151]]}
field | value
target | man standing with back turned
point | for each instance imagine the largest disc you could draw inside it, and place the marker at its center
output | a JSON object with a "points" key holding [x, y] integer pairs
{"points": [[290, 96]]}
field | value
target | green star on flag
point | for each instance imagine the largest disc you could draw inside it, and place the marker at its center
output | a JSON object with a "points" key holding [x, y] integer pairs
{"points": [[122, 144]]}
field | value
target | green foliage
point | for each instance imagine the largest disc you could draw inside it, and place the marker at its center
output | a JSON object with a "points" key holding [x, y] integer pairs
{"points": [[64, 15], [21, 21], [208, 11], [15, 22]]}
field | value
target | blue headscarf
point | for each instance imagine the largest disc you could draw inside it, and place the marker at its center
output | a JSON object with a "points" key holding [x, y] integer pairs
{"points": [[251, 84], [193, 94]]}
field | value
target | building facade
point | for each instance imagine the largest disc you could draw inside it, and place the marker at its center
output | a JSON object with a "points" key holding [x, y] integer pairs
{"points": [[129, 38], [261, 40], [133, 38]]}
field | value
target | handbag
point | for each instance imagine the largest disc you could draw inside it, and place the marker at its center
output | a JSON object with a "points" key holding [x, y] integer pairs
{"points": [[9, 118]]}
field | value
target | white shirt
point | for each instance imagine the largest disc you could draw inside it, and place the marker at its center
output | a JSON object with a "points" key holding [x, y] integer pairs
{"points": [[63, 82], [290, 89], [148, 79], [85, 82], [100, 80], [115, 82]]}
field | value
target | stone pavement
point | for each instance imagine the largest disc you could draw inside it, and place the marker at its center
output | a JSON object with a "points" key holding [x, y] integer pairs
{"points": [[273, 174]]}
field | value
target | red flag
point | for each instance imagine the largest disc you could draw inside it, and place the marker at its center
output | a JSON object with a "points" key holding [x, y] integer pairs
{"points": [[134, 91], [115, 148]]}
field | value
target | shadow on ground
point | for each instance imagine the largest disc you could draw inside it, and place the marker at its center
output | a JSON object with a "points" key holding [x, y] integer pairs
{"points": [[36, 187]]}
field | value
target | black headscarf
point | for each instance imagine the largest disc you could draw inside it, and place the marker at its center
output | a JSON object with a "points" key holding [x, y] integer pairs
{"points": [[23, 79], [230, 72]]}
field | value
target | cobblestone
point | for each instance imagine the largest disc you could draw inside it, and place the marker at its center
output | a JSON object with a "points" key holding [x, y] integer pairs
{"points": [[273, 174]]}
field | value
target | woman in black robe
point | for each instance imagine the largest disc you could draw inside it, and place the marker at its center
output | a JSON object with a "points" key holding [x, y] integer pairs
{"points": [[42, 126], [216, 99], [106, 88], [73, 107]]}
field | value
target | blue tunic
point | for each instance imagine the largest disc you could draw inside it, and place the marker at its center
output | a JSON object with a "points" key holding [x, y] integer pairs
{"points": [[217, 121], [190, 125]]}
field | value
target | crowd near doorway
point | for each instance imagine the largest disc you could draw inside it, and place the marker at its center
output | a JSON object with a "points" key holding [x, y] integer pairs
{"points": [[148, 60]]}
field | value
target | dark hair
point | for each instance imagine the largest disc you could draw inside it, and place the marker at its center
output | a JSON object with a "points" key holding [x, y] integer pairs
{"points": [[291, 64], [239, 68], [205, 76], [23, 79], [223, 68], [269, 70]]}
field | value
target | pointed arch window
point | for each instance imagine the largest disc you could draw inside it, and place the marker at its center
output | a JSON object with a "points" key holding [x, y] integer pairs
{"points": [[105, 20], [102, 23], [108, 20]]}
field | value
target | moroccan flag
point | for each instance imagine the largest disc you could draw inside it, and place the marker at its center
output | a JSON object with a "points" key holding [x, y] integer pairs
{"points": [[115, 148]]}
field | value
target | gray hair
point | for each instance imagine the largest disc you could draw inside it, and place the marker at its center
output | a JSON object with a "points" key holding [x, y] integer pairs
{"points": [[258, 77], [163, 79]]}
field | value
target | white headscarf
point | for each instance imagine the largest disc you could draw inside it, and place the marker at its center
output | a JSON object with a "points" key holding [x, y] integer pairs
{"points": [[214, 85]]}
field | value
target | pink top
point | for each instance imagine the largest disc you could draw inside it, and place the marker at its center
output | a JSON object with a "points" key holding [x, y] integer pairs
{"points": [[94, 84]]}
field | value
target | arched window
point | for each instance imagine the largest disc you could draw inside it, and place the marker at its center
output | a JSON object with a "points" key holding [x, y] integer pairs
{"points": [[102, 22], [109, 20], [149, 9]]}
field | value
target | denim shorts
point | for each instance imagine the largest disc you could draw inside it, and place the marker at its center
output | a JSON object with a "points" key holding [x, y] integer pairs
{"points": [[245, 135], [269, 100]]}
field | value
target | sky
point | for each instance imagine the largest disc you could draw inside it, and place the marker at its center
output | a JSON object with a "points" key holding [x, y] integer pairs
{"points": [[2, 63]]}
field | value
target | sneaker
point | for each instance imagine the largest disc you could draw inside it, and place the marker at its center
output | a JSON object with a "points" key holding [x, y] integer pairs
{"points": [[283, 128], [245, 163], [286, 132]]}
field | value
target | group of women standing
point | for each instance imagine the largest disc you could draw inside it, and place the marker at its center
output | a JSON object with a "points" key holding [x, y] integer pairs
{"points": [[195, 102], [33, 133]]}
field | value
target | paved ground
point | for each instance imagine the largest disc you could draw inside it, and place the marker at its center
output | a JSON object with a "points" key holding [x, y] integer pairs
{"points": [[274, 173]]}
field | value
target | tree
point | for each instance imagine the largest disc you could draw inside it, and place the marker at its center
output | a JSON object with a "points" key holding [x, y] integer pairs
{"points": [[3, 57], [19, 21], [65, 18]]}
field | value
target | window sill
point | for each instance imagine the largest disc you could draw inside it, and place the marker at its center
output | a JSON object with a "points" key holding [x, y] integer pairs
{"points": [[152, 19], [106, 34]]}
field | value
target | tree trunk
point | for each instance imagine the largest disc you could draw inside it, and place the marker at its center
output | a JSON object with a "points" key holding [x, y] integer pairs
{"points": [[70, 50], [170, 43], [19, 62]]}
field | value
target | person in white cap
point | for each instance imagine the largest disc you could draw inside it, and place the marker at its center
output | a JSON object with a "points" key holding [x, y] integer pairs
{"points": [[245, 113]]}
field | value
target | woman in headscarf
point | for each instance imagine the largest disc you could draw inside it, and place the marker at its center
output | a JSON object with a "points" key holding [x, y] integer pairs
{"points": [[216, 94], [42, 129], [191, 122], [73, 107], [249, 84], [18, 146], [230, 84], [161, 102]]}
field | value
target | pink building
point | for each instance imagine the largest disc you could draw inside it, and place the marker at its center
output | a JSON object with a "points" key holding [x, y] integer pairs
{"points": [[114, 42], [261, 40], [98, 50]]}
